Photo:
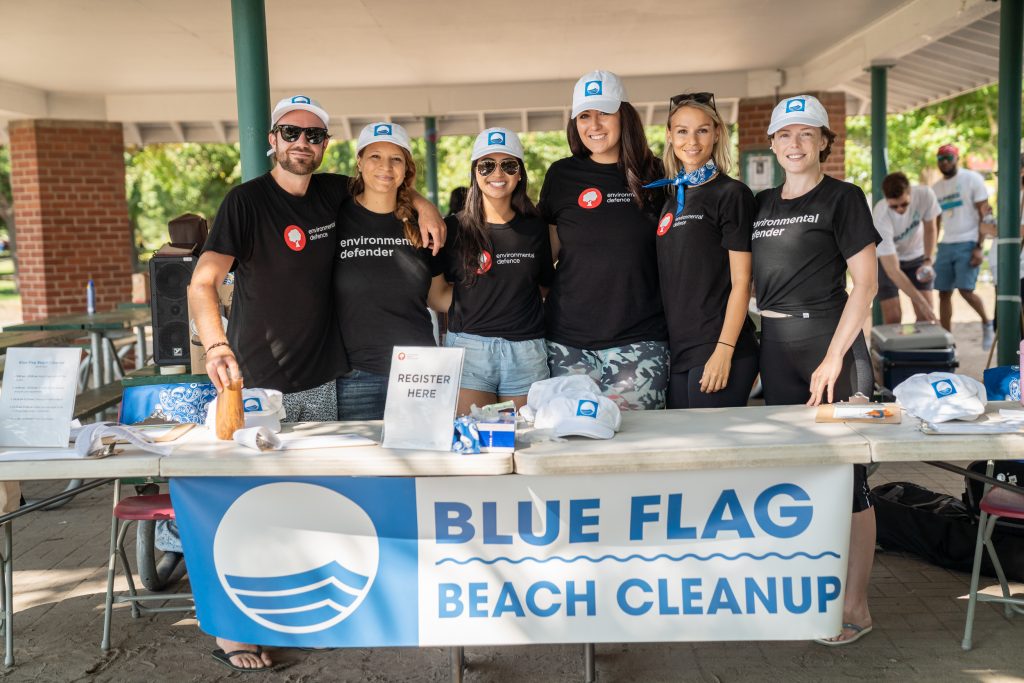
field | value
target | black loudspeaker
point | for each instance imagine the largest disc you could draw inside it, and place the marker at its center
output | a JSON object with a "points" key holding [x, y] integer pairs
{"points": [[168, 281]]}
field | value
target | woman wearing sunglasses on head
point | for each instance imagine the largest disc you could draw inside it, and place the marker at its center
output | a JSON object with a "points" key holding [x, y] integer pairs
{"points": [[704, 261], [604, 315], [499, 260], [383, 276], [808, 233]]}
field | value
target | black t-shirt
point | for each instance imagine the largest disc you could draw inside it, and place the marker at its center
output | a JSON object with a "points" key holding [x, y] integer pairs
{"points": [[605, 292], [504, 301], [693, 266], [282, 327], [801, 245], [381, 283]]}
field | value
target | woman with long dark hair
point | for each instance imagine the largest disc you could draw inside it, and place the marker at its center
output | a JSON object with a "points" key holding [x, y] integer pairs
{"points": [[604, 313], [499, 261], [383, 276], [704, 261], [808, 233]]}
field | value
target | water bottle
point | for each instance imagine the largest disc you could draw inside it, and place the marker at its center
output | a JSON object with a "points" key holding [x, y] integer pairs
{"points": [[90, 297], [925, 273]]}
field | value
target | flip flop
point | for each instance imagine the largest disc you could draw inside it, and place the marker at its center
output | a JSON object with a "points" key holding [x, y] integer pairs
{"points": [[225, 659], [858, 633]]}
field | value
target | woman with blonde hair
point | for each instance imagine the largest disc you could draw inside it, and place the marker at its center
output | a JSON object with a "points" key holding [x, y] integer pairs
{"points": [[704, 261], [383, 275]]}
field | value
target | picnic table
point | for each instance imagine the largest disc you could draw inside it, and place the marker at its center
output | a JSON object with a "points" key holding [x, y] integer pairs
{"points": [[99, 327]]}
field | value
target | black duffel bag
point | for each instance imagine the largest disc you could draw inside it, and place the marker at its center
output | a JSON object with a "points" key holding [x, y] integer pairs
{"points": [[940, 529]]}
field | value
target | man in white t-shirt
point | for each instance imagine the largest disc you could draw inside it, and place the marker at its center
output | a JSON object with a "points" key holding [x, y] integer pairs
{"points": [[963, 198], [905, 219]]}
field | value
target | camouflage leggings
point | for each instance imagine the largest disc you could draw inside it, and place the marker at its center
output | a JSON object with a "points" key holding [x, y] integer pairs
{"points": [[635, 376]]}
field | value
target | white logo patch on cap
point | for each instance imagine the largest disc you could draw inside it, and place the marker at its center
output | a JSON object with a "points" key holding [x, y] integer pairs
{"points": [[943, 388], [300, 99], [592, 88], [496, 138], [587, 408], [382, 129]]}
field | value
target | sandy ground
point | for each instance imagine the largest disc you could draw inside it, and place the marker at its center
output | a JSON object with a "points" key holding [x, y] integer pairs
{"points": [[60, 562]]}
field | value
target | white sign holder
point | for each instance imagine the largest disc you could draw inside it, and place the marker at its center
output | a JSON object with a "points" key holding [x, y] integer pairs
{"points": [[38, 397], [423, 391]]}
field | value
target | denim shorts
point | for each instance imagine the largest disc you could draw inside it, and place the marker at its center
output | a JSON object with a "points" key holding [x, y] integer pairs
{"points": [[361, 396], [499, 366], [953, 269]]}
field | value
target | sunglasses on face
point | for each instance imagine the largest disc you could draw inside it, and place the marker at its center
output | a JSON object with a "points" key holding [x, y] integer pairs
{"points": [[945, 157], [314, 136], [698, 97], [486, 167], [899, 205]]}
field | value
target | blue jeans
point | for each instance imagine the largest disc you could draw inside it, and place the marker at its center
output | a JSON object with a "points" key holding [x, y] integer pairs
{"points": [[361, 396]]}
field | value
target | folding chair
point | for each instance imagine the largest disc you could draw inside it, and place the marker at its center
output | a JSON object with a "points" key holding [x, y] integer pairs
{"points": [[145, 508], [997, 502]]}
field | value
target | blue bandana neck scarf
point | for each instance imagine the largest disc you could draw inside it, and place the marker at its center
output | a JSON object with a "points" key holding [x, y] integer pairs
{"points": [[687, 179]]}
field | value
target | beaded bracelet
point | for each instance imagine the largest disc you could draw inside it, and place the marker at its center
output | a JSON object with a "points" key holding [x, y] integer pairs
{"points": [[213, 346]]}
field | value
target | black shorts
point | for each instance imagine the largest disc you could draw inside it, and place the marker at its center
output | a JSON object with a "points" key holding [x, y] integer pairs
{"points": [[887, 289], [791, 350]]}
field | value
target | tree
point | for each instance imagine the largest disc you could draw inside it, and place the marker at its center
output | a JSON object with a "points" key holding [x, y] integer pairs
{"points": [[6, 197], [969, 121], [165, 181]]}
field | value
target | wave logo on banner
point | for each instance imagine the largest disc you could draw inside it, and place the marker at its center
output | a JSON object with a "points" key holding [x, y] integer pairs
{"points": [[296, 557]]}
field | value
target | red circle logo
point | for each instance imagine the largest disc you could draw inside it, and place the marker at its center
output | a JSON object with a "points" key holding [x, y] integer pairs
{"points": [[485, 262], [665, 223], [401, 355], [295, 238], [590, 198]]}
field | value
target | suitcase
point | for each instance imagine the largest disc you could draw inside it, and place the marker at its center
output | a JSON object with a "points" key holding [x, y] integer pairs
{"points": [[901, 351]]}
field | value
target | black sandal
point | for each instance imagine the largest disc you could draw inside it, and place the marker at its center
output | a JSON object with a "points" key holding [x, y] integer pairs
{"points": [[225, 659]]}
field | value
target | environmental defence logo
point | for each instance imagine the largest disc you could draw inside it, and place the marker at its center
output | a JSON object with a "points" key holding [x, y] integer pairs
{"points": [[295, 238], [665, 223], [496, 138], [586, 408], [590, 198], [382, 129], [796, 104], [288, 574], [591, 88], [943, 388], [484, 262]]}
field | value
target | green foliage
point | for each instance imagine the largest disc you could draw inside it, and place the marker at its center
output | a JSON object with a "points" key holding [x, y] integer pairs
{"points": [[968, 121], [165, 181], [6, 200]]}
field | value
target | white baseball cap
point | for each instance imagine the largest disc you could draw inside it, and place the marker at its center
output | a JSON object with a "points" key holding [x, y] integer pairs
{"points": [[942, 396], [803, 109], [600, 90], [296, 103], [382, 131], [497, 140], [581, 414], [546, 389]]}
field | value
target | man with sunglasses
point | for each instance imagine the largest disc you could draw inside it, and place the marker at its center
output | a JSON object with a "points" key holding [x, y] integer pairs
{"points": [[905, 218], [963, 199], [277, 232]]}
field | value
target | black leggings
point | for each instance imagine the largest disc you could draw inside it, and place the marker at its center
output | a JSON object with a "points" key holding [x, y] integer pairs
{"points": [[791, 350], [684, 387]]}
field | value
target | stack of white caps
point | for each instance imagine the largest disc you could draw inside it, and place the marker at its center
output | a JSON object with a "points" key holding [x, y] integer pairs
{"points": [[573, 406], [942, 396], [261, 408]]}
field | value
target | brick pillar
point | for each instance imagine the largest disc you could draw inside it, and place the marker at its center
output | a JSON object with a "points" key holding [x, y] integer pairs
{"points": [[755, 113], [71, 215]]}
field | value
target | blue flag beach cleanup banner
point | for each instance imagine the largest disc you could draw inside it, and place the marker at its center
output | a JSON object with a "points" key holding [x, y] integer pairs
{"points": [[755, 554]]}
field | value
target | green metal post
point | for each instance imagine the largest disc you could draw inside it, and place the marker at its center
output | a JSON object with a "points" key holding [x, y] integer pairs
{"points": [[1011, 39], [879, 149], [430, 134], [252, 84]]}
